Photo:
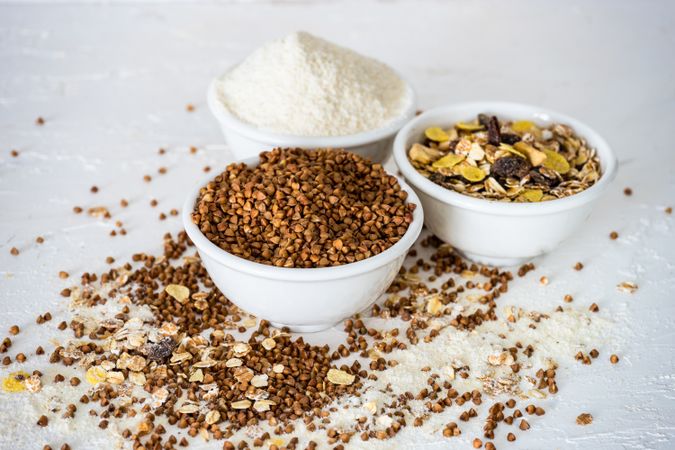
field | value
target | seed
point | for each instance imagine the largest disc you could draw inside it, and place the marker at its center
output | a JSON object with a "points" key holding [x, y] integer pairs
{"points": [[510, 437], [65, 447], [207, 169], [584, 419], [477, 443], [39, 239], [614, 359], [524, 425], [578, 266], [20, 357], [628, 191], [14, 153], [193, 150], [490, 446], [124, 203], [153, 202], [594, 308], [14, 251], [39, 121], [63, 275], [543, 280], [594, 353], [43, 421], [162, 216], [189, 107], [613, 235], [94, 189], [668, 210], [77, 209], [74, 381], [14, 330], [147, 178], [568, 298], [65, 292], [162, 170]]}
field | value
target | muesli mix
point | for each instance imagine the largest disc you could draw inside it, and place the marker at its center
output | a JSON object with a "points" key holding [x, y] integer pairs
{"points": [[504, 160]]}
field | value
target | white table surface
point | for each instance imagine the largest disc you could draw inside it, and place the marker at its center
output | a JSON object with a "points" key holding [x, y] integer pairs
{"points": [[112, 82]]}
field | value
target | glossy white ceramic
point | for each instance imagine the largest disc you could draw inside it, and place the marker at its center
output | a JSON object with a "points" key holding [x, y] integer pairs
{"points": [[305, 300], [246, 140], [494, 232]]}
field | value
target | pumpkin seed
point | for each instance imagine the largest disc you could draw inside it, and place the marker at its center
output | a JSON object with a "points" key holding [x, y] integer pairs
{"points": [[436, 134], [556, 161], [471, 173], [532, 195], [469, 126], [523, 126], [448, 161]]}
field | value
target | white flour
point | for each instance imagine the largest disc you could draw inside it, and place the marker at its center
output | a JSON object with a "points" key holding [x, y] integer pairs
{"points": [[303, 85]]}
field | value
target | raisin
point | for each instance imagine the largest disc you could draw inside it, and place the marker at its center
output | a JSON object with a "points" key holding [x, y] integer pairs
{"points": [[510, 167], [540, 179], [483, 119], [453, 145], [494, 137], [509, 138], [162, 350]]}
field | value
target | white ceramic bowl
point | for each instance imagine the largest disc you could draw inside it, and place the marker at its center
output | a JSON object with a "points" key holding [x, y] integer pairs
{"points": [[494, 232], [305, 300], [246, 140]]}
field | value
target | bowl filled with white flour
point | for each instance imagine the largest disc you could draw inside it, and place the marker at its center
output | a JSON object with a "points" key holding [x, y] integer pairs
{"points": [[302, 91]]}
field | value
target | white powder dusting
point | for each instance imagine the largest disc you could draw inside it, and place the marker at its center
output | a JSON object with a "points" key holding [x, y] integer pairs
{"points": [[306, 86]]}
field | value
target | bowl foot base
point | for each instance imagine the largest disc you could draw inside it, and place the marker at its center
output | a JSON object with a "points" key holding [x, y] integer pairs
{"points": [[304, 328], [495, 260]]}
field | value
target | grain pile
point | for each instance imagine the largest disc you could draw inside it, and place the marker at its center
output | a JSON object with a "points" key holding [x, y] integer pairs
{"points": [[169, 361], [300, 208]]}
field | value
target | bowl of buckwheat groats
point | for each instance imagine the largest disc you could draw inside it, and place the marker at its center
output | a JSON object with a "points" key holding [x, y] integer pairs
{"points": [[303, 91], [303, 238], [503, 182]]}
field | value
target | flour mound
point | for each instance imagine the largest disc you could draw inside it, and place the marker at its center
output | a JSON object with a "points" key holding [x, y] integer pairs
{"points": [[306, 86]]}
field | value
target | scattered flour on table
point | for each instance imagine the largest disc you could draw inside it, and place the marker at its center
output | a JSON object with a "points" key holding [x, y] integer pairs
{"points": [[304, 85]]}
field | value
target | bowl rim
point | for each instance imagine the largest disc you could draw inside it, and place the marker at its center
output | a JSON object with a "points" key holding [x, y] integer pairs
{"points": [[226, 118], [607, 159], [296, 274]]}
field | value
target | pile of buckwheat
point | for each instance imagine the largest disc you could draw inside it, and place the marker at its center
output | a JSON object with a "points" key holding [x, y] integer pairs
{"points": [[300, 208]]}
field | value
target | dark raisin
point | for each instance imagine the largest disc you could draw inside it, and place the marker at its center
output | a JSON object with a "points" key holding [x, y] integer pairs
{"points": [[510, 167], [540, 179], [441, 180], [453, 145], [483, 119], [494, 137], [162, 350], [509, 138]]}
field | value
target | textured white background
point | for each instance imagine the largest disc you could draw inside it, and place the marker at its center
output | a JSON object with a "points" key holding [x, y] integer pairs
{"points": [[112, 82]]}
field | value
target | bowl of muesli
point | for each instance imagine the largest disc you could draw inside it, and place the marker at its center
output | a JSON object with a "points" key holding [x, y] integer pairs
{"points": [[503, 182]]}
